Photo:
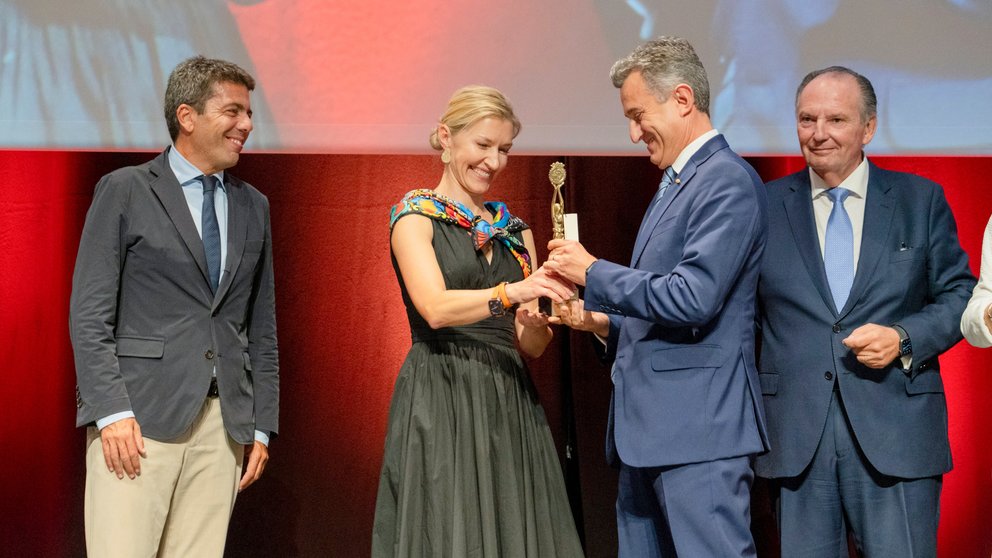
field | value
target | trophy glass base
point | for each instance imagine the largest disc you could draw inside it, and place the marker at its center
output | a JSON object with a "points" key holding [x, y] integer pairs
{"points": [[546, 306]]}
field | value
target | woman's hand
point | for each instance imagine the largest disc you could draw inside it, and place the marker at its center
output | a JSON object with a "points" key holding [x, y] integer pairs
{"points": [[528, 317], [540, 283]]}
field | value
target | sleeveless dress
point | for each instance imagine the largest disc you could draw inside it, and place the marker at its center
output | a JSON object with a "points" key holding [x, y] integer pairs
{"points": [[470, 468]]}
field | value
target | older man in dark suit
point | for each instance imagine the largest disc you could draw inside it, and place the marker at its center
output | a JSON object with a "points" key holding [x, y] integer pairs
{"points": [[862, 286], [173, 327]]}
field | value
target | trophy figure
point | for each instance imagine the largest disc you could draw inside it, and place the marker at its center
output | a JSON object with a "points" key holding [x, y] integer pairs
{"points": [[557, 177], [563, 225]]}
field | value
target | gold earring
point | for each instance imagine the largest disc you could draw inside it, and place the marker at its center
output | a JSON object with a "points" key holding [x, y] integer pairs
{"points": [[445, 156]]}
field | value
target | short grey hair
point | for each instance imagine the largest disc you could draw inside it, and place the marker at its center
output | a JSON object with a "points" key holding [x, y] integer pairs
{"points": [[869, 104], [664, 63], [192, 83]]}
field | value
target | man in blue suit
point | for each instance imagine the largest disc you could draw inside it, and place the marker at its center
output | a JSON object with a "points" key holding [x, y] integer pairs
{"points": [[862, 286], [686, 416]]}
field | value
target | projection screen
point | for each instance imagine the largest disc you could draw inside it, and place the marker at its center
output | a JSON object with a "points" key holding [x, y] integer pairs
{"points": [[352, 76]]}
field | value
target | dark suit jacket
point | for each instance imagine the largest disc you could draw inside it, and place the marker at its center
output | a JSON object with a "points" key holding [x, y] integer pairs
{"points": [[682, 319], [912, 272], [146, 330]]}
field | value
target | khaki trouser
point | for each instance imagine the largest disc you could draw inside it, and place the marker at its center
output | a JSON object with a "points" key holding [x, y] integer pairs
{"points": [[181, 503]]}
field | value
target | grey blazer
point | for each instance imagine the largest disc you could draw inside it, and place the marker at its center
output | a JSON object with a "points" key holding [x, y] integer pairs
{"points": [[146, 330]]}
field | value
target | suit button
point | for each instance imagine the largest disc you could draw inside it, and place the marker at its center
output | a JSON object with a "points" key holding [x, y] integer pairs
{"points": [[828, 375], [836, 328], [209, 354]]}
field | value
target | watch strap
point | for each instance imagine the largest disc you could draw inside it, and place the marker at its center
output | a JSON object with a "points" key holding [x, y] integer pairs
{"points": [[501, 293]]}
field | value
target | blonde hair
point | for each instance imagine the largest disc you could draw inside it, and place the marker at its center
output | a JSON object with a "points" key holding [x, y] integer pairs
{"points": [[469, 105]]}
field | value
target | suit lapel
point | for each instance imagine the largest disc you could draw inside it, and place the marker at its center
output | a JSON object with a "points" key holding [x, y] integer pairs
{"points": [[799, 210], [237, 230], [652, 219], [170, 194], [879, 210]]}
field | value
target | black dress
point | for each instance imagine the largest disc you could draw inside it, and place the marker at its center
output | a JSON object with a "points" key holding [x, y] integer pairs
{"points": [[470, 468]]}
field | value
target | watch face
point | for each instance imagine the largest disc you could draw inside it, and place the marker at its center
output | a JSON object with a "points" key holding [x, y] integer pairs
{"points": [[905, 347], [496, 307]]}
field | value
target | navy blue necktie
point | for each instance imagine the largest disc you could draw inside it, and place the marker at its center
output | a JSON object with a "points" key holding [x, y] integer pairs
{"points": [[211, 231], [838, 249]]}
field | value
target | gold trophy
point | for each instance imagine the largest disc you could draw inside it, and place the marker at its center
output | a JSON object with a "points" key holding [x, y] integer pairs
{"points": [[557, 177], [563, 225]]}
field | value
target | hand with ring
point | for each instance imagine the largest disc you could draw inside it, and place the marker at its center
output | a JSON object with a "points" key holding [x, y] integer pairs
{"points": [[569, 259]]}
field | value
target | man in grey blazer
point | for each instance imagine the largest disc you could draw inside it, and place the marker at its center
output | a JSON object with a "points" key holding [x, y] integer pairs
{"points": [[172, 319], [862, 285]]}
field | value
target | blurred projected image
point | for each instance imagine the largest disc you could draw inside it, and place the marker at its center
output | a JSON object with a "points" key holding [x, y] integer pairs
{"points": [[85, 73], [360, 76], [926, 59]]}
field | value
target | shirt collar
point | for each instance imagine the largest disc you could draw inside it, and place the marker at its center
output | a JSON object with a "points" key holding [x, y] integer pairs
{"points": [[856, 182], [691, 149], [185, 171]]}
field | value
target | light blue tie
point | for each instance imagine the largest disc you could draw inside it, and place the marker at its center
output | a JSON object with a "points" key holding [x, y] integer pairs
{"points": [[211, 231], [838, 249], [667, 180]]}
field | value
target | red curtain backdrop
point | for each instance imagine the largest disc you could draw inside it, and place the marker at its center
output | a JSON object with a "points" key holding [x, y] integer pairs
{"points": [[343, 335]]}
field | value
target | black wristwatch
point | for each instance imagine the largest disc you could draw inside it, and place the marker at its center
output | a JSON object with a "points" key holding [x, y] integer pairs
{"points": [[905, 345], [499, 303], [496, 307]]}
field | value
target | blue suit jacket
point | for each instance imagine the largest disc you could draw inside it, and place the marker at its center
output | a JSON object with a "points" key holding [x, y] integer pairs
{"points": [[682, 319], [912, 272]]}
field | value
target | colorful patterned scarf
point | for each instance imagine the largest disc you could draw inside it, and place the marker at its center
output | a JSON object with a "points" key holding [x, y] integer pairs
{"points": [[431, 204]]}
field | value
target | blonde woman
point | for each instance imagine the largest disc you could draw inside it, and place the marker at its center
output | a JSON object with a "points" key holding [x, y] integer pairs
{"points": [[470, 468]]}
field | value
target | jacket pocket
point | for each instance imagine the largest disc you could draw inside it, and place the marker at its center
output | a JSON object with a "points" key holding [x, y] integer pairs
{"points": [[685, 358], [907, 254], [769, 383], [927, 382], [141, 347]]}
